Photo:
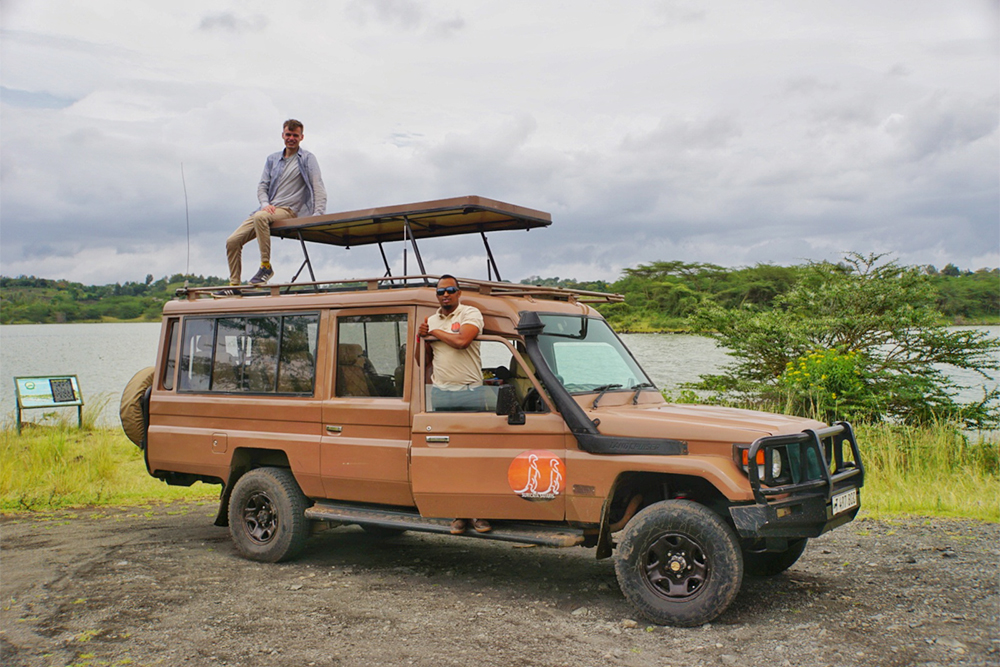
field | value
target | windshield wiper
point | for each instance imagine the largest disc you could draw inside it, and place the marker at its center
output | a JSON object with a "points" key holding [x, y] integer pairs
{"points": [[638, 390], [604, 388]]}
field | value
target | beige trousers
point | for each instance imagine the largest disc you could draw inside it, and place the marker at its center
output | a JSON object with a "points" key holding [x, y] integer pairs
{"points": [[259, 225]]}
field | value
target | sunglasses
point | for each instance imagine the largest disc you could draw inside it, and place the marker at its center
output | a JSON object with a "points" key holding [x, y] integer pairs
{"points": [[446, 290]]}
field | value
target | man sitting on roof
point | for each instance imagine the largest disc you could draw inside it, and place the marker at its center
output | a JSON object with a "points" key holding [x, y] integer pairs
{"points": [[290, 185]]}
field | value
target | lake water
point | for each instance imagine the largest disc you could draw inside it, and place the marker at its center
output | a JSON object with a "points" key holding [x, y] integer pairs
{"points": [[105, 356]]}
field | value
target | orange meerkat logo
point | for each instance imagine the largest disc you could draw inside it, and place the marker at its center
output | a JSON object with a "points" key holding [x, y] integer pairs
{"points": [[536, 475]]}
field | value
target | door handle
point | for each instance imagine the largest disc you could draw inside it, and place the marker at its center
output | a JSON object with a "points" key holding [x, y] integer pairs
{"points": [[438, 439], [334, 429]]}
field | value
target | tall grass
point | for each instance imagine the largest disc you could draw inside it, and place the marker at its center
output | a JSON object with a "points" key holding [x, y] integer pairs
{"points": [[48, 467], [933, 471]]}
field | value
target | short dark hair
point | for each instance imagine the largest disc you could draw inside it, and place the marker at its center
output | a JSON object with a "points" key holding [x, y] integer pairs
{"points": [[292, 124], [446, 277]]}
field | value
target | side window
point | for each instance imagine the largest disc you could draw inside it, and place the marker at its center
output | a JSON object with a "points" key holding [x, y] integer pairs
{"points": [[297, 362], [171, 361], [257, 354], [196, 354], [499, 366], [371, 355]]}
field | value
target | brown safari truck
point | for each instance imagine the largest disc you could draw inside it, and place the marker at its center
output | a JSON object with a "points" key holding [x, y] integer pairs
{"points": [[307, 402]]}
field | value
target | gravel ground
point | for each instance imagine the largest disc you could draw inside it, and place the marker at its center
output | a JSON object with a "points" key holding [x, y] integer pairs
{"points": [[163, 586]]}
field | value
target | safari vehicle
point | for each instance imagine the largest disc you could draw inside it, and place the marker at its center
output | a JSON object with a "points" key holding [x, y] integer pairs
{"points": [[307, 402]]}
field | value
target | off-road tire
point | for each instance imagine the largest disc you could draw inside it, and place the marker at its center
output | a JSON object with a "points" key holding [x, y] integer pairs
{"points": [[768, 564], [267, 515], [133, 422], [679, 563]]}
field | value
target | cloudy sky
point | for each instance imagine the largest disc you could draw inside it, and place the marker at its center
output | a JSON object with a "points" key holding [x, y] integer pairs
{"points": [[713, 131]]}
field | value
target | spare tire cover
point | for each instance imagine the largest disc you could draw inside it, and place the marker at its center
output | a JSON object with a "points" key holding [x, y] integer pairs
{"points": [[131, 409]]}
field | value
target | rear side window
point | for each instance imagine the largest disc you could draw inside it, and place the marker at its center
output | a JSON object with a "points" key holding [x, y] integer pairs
{"points": [[371, 355], [261, 354], [171, 362]]}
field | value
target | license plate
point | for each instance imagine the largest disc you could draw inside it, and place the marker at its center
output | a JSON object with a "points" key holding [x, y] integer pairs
{"points": [[845, 501]]}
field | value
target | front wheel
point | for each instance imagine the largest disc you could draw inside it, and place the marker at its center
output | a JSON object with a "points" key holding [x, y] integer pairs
{"points": [[679, 563], [267, 515]]}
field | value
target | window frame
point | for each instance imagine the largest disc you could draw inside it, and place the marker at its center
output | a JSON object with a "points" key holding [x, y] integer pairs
{"points": [[214, 319]]}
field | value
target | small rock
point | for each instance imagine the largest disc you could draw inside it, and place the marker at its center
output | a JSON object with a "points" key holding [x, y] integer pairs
{"points": [[728, 659], [949, 554], [629, 624], [580, 611], [295, 587]]}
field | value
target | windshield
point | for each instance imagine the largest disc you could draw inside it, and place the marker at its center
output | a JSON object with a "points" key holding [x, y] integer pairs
{"points": [[587, 356]]}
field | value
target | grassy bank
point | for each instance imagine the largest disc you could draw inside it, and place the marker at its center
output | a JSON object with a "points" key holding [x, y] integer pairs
{"points": [[933, 471], [60, 466], [922, 471]]}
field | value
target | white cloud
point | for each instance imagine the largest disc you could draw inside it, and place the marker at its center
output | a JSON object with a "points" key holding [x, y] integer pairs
{"points": [[725, 132]]}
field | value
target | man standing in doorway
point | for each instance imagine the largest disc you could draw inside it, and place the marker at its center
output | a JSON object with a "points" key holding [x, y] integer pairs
{"points": [[456, 368], [291, 185]]}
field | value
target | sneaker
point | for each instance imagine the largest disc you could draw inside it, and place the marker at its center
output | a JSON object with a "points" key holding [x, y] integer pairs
{"points": [[458, 526], [232, 291], [481, 526], [262, 276]]}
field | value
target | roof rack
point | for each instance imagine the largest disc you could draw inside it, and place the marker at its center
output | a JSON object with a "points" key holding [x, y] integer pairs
{"points": [[485, 287], [409, 222]]}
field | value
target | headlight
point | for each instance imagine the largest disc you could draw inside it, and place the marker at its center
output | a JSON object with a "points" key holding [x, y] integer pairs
{"points": [[761, 461]]}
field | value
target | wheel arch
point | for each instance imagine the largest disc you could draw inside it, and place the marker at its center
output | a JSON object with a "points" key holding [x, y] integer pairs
{"points": [[632, 491]]}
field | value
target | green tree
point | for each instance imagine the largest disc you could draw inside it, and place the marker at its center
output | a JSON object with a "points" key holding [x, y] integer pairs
{"points": [[860, 339]]}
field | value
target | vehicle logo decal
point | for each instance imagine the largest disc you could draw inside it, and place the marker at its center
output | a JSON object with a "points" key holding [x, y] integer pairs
{"points": [[536, 475]]}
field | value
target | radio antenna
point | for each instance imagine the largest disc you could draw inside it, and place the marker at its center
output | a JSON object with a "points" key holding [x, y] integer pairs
{"points": [[187, 222]]}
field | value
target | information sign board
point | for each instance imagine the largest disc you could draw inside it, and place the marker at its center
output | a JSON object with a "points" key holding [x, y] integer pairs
{"points": [[48, 391]]}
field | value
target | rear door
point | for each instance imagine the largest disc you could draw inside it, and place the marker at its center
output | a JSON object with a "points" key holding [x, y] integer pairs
{"points": [[366, 434]]}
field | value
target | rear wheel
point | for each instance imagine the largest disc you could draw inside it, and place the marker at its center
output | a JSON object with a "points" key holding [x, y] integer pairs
{"points": [[770, 563], [679, 563], [267, 515]]}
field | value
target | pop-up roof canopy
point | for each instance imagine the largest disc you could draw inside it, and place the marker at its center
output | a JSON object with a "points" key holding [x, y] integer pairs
{"points": [[409, 222]]}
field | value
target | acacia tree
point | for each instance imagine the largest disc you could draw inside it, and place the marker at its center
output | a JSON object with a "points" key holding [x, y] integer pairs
{"points": [[861, 340]]}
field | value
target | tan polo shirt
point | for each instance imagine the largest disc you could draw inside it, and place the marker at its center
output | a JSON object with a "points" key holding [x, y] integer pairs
{"points": [[456, 369]]}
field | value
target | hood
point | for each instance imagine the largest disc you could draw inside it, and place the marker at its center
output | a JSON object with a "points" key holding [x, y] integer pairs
{"points": [[694, 423]]}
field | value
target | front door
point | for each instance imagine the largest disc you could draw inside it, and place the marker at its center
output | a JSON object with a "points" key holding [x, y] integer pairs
{"points": [[471, 463]]}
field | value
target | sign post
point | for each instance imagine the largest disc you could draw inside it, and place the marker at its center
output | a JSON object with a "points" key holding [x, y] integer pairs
{"points": [[48, 391]]}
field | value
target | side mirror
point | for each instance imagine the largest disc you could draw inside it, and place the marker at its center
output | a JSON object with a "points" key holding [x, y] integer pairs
{"points": [[507, 405]]}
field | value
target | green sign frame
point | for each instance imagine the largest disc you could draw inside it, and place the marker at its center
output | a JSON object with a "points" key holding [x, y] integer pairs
{"points": [[48, 391]]}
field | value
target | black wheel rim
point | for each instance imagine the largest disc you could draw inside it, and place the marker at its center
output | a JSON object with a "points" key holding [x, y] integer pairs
{"points": [[675, 567], [260, 518]]}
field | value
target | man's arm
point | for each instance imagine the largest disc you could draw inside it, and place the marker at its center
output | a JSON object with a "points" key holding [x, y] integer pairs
{"points": [[319, 190], [264, 186], [460, 340]]}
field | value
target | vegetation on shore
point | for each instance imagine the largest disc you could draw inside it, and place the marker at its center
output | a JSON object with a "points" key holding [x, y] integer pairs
{"points": [[664, 296], [660, 296], [31, 300]]}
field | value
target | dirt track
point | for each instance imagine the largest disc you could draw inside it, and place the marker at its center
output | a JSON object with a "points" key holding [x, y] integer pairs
{"points": [[163, 586]]}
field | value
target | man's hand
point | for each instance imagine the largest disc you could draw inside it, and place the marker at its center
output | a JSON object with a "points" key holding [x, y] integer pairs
{"points": [[423, 329], [268, 209]]}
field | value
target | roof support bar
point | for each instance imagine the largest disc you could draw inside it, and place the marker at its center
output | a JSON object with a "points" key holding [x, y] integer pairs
{"points": [[305, 262], [408, 234], [489, 253], [388, 271]]}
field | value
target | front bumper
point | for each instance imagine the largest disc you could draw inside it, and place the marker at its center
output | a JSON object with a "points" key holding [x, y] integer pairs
{"points": [[802, 502]]}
